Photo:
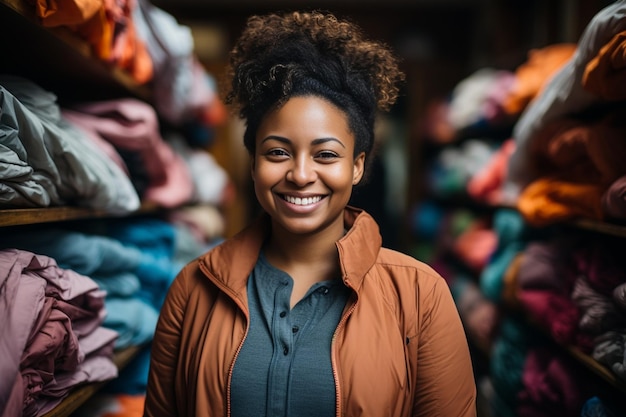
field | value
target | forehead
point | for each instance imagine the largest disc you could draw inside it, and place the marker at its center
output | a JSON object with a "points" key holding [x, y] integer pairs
{"points": [[306, 117]]}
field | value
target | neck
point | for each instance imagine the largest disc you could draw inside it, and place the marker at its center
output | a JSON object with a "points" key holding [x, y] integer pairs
{"points": [[306, 258], [285, 250]]}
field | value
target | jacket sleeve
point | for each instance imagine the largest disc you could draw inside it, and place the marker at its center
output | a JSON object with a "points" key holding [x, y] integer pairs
{"points": [[160, 393], [445, 378]]}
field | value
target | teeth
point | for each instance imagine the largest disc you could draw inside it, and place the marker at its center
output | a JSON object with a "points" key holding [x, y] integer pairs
{"points": [[302, 201]]}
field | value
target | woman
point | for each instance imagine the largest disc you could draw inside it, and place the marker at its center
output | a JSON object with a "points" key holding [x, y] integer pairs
{"points": [[303, 313]]}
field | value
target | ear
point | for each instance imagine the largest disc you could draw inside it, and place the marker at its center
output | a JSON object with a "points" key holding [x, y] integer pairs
{"points": [[358, 169]]}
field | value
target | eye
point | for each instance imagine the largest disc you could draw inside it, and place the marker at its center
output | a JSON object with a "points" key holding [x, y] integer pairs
{"points": [[277, 153], [326, 156]]}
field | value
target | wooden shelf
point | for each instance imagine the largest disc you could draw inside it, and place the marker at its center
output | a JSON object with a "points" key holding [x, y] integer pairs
{"points": [[26, 216], [595, 367], [19, 217], [80, 395], [599, 369], [601, 227]]}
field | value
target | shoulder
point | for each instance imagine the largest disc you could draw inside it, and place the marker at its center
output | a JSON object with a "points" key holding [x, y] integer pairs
{"points": [[405, 266], [410, 288], [187, 278], [405, 276]]}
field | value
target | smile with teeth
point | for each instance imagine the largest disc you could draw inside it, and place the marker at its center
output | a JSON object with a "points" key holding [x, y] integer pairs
{"points": [[302, 201]]}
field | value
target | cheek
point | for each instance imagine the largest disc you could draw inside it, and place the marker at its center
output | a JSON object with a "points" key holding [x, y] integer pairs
{"points": [[263, 184], [266, 174], [340, 177]]}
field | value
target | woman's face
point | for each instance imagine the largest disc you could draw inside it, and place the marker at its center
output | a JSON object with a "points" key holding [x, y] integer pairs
{"points": [[304, 166]]}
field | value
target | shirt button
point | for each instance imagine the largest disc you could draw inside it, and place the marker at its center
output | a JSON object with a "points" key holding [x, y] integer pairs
{"points": [[283, 314], [286, 351], [295, 329]]}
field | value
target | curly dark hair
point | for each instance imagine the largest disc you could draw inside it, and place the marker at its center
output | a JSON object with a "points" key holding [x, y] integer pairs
{"points": [[311, 53]]}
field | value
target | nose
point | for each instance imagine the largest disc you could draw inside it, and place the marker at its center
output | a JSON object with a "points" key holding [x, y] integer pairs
{"points": [[302, 171]]}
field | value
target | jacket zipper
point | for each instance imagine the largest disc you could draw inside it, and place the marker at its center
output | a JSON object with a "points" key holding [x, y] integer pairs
{"points": [[334, 355], [232, 368]]}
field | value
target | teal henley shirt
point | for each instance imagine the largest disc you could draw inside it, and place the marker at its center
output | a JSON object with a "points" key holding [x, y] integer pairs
{"points": [[284, 367]]}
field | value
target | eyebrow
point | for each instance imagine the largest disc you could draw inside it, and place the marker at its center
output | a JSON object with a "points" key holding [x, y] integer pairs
{"points": [[317, 141]]}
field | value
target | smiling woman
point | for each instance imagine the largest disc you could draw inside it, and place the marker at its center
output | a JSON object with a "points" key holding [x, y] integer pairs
{"points": [[304, 313], [303, 171]]}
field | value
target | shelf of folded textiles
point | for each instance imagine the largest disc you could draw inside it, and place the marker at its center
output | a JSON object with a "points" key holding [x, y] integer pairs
{"points": [[26, 216], [81, 394], [54, 60], [600, 370], [464, 200]]}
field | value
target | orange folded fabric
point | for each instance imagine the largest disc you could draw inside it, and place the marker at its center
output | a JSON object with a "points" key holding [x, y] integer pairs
{"points": [[108, 28], [55, 13], [531, 76], [128, 406], [605, 74], [547, 201]]}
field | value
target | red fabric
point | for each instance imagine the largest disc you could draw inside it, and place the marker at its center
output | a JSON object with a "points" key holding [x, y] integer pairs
{"points": [[475, 245], [555, 312], [553, 386], [487, 184]]}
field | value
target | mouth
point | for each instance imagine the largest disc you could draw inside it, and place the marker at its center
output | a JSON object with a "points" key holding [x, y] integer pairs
{"points": [[302, 201]]}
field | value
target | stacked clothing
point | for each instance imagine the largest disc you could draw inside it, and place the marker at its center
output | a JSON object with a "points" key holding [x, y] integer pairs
{"points": [[52, 334]]}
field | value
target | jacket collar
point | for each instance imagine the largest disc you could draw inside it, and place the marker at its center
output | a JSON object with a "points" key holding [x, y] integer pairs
{"points": [[230, 263], [358, 249]]}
